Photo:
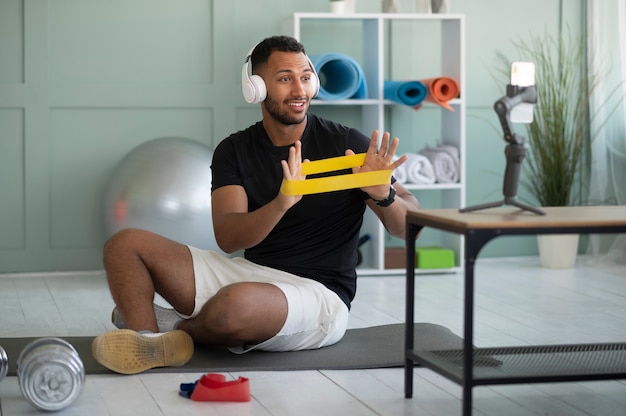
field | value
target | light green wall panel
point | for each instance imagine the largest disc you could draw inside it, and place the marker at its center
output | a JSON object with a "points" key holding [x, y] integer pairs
{"points": [[245, 116], [143, 41], [12, 220], [11, 41]]}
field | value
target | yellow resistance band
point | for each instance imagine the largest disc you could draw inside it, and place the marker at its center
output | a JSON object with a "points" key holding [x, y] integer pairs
{"points": [[337, 182]]}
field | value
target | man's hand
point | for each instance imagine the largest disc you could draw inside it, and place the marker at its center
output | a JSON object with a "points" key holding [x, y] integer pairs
{"points": [[379, 158], [292, 170]]}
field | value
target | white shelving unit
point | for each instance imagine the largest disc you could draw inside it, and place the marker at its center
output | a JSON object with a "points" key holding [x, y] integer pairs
{"points": [[398, 47]]}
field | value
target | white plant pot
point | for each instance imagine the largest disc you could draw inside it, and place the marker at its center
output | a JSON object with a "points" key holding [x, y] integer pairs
{"points": [[558, 251], [338, 7]]}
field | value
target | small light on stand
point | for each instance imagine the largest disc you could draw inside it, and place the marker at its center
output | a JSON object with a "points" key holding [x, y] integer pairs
{"points": [[515, 107]]}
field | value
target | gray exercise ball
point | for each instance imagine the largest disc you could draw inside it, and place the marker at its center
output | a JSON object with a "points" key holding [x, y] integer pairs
{"points": [[164, 186]]}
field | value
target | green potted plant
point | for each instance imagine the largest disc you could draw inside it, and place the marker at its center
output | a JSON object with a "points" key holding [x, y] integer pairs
{"points": [[560, 129], [559, 134]]}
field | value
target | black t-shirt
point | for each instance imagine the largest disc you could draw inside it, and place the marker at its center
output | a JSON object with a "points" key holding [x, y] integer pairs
{"points": [[318, 237]]}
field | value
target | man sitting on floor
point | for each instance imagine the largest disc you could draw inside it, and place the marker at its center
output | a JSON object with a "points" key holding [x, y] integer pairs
{"points": [[293, 288]]}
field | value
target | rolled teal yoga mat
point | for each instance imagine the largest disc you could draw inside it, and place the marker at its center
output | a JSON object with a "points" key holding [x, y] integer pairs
{"points": [[411, 93], [341, 77]]}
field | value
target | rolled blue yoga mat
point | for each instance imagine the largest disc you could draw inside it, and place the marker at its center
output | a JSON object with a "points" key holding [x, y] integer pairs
{"points": [[341, 77], [410, 93]]}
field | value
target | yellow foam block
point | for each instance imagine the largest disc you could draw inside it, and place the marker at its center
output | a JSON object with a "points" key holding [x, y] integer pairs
{"points": [[337, 182]]}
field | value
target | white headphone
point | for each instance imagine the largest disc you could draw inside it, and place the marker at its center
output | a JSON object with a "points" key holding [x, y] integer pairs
{"points": [[253, 86]]}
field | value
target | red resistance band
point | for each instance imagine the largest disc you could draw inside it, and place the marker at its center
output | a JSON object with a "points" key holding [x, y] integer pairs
{"points": [[213, 387]]}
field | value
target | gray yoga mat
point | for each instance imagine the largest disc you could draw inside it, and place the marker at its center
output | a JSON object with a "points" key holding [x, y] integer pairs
{"points": [[372, 347]]}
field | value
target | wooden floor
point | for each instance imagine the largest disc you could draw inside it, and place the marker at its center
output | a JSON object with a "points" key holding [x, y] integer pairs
{"points": [[517, 303]]}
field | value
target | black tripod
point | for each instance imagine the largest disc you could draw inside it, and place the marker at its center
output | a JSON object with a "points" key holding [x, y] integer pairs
{"points": [[515, 151]]}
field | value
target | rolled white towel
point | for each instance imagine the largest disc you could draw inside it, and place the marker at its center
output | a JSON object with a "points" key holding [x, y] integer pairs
{"points": [[419, 170], [445, 162], [400, 172]]}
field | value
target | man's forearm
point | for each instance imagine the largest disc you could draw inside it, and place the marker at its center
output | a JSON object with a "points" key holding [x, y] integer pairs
{"points": [[394, 216], [239, 231]]}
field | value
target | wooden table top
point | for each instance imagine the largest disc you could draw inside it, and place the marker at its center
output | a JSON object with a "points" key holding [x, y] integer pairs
{"points": [[514, 218]]}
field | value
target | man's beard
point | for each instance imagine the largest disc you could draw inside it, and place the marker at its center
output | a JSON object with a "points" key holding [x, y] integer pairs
{"points": [[273, 108]]}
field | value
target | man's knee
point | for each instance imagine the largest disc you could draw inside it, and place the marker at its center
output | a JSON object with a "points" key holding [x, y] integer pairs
{"points": [[242, 311], [225, 311], [121, 243]]}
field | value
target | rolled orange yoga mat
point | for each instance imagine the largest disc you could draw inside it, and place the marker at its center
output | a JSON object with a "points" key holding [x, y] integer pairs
{"points": [[441, 90]]}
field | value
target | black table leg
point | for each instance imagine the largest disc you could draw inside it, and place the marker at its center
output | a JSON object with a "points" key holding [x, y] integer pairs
{"points": [[411, 233], [468, 337], [474, 242]]}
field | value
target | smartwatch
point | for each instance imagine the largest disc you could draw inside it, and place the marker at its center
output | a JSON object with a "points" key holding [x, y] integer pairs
{"points": [[389, 200]]}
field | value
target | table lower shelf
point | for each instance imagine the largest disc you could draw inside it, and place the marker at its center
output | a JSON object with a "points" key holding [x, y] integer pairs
{"points": [[530, 364]]}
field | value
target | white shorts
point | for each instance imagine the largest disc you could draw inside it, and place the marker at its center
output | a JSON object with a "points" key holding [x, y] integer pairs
{"points": [[316, 316]]}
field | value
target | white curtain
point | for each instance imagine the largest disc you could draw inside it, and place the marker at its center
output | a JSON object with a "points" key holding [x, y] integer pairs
{"points": [[606, 27]]}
